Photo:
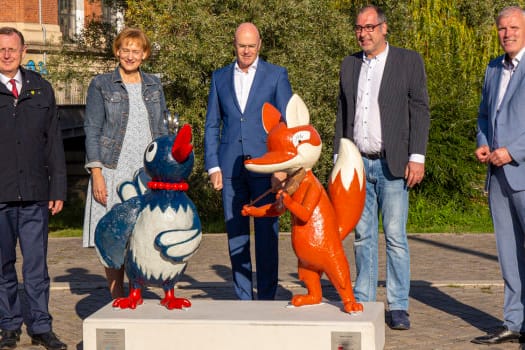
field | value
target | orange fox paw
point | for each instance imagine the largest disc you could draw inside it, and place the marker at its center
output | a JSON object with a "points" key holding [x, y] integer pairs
{"points": [[353, 306], [305, 299]]}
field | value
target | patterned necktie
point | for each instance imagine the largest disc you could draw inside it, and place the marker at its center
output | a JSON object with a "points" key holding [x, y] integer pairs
{"points": [[506, 75], [14, 90]]}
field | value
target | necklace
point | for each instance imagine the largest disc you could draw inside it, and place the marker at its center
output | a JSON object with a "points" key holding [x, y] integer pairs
{"points": [[169, 186]]}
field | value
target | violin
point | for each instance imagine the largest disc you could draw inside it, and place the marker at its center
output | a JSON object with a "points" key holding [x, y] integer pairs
{"points": [[290, 184]]}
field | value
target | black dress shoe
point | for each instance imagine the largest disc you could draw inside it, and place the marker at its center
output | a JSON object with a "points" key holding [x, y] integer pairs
{"points": [[9, 339], [503, 335], [49, 340]]}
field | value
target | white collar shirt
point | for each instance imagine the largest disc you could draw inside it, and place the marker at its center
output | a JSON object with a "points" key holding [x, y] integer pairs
{"points": [[243, 83], [506, 74], [367, 126], [7, 83]]}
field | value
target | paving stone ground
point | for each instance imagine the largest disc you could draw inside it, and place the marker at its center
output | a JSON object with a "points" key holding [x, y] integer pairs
{"points": [[456, 289]]}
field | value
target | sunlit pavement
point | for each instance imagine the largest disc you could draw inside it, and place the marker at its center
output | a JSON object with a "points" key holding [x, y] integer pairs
{"points": [[456, 289]]}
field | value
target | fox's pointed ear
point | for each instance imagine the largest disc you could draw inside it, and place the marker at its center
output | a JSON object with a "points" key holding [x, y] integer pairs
{"points": [[270, 116], [296, 112]]}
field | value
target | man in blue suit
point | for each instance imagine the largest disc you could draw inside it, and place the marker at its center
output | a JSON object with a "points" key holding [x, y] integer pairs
{"points": [[233, 133], [501, 144]]}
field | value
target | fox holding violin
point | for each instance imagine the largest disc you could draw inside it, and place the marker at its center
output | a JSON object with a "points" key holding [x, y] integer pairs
{"points": [[320, 220]]}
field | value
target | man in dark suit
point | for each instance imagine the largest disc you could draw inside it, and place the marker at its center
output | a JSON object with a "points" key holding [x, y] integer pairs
{"points": [[32, 185], [233, 133], [501, 145], [383, 108]]}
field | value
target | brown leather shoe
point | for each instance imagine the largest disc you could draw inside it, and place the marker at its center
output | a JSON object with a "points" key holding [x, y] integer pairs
{"points": [[502, 335], [49, 340], [9, 339]]}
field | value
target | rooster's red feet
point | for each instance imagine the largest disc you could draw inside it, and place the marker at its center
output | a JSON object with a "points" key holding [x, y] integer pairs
{"points": [[171, 302], [131, 301]]}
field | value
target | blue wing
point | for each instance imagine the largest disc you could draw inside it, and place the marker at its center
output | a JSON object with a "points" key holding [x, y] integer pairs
{"points": [[134, 187], [179, 245], [113, 232]]}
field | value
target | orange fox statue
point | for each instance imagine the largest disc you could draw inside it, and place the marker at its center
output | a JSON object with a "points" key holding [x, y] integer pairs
{"points": [[320, 220]]}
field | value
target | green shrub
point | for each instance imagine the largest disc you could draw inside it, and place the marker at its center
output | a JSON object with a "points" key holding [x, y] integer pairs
{"points": [[456, 38]]}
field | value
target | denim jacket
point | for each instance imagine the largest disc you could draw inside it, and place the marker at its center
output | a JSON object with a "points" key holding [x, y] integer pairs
{"points": [[107, 111]]}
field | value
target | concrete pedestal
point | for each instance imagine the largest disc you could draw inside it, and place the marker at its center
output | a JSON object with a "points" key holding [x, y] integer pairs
{"points": [[235, 325]]}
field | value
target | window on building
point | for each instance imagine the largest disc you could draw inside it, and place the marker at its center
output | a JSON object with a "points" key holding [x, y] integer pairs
{"points": [[112, 12], [66, 18]]}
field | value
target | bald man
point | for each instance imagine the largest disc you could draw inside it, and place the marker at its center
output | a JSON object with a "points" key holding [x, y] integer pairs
{"points": [[233, 133]]}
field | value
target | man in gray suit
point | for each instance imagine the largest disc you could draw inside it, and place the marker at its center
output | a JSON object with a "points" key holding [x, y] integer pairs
{"points": [[383, 108], [501, 145]]}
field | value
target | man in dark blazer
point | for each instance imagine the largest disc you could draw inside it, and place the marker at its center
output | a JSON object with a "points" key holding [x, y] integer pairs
{"points": [[501, 145], [383, 108], [233, 133], [32, 186]]}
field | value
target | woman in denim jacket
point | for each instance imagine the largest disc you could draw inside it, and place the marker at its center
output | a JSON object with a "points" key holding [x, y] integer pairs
{"points": [[124, 113]]}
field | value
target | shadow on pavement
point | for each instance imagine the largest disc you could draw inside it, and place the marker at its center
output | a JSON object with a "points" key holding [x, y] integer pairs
{"points": [[453, 248], [425, 293], [79, 274]]}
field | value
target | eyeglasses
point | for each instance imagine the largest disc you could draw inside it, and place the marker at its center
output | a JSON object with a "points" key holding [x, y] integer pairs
{"points": [[367, 27], [9, 50]]}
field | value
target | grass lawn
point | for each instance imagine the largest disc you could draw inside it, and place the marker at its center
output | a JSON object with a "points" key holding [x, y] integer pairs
{"points": [[424, 217]]}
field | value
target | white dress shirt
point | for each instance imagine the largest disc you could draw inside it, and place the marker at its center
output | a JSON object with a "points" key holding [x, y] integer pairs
{"points": [[242, 82], [7, 83], [367, 126], [506, 74]]}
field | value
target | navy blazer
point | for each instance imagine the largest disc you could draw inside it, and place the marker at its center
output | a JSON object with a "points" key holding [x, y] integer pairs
{"points": [[403, 105], [510, 119], [230, 135]]}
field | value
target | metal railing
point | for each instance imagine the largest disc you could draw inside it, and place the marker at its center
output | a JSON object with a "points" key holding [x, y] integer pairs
{"points": [[70, 93]]}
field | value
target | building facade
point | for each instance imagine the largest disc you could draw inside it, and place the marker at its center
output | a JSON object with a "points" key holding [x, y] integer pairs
{"points": [[48, 25]]}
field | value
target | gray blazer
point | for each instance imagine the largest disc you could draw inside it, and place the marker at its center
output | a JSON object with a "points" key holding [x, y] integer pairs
{"points": [[510, 132], [403, 104]]}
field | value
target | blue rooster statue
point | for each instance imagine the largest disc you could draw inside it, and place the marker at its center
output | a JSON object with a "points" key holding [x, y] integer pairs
{"points": [[156, 228]]}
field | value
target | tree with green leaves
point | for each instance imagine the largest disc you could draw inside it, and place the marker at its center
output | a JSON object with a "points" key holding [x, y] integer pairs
{"points": [[196, 37], [310, 38]]}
